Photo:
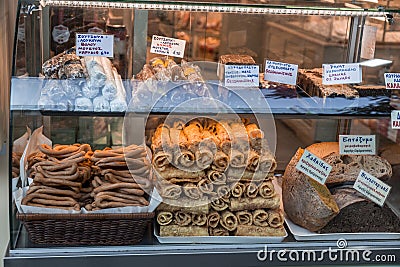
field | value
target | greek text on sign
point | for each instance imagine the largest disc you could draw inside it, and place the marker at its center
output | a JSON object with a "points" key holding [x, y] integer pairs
{"points": [[392, 80], [372, 187], [167, 46], [357, 145], [314, 167], [341, 73], [395, 119], [89, 44], [280, 72], [242, 75]]}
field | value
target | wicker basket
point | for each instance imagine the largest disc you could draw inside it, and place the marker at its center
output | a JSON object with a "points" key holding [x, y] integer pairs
{"points": [[86, 229]]}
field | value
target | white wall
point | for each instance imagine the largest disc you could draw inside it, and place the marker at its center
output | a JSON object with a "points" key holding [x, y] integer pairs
{"points": [[7, 15]]}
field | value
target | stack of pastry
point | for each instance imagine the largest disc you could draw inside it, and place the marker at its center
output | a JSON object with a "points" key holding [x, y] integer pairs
{"points": [[215, 179], [122, 178], [59, 174]]}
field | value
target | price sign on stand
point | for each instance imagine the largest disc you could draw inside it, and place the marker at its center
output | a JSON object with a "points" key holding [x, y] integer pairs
{"points": [[167, 46], [371, 187], [90, 44], [314, 167], [395, 119], [392, 80], [280, 72], [341, 73], [357, 145], [242, 75]]}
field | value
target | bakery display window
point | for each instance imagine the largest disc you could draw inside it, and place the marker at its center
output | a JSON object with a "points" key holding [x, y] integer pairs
{"points": [[144, 131]]}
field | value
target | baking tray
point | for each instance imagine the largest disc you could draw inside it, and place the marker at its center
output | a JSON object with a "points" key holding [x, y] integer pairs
{"points": [[302, 234], [218, 239]]}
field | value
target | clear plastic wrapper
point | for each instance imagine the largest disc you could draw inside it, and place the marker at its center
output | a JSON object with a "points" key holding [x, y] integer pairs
{"points": [[90, 91], [72, 88], [97, 76], [45, 103], [119, 103], [83, 104], [100, 104], [109, 90]]}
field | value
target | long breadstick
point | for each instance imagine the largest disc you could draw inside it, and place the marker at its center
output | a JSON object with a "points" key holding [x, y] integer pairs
{"points": [[116, 186]]}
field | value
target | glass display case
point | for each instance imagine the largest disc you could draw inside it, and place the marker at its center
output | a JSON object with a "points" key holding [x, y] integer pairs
{"points": [[233, 133]]}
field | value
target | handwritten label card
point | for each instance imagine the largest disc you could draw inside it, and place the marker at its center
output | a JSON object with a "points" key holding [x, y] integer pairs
{"points": [[89, 44], [314, 167], [242, 75], [392, 80], [280, 72], [395, 119], [357, 145], [372, 187], [167, 46], [341, 73]]}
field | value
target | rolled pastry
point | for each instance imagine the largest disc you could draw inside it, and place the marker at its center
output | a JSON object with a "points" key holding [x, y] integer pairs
{"points": [[83, 104], [192, 191], [223, 133], [260, 217], [193, 132], [213, 219], [244, 217], [253, 161], [161, 139], [182, 218], [170, 191], [199, 219], [275, 218], [100, 104], [169, 172], [237, 204], [206, 187], [267, 162], [224, 192], [254, 132], [162, 159], [165, 217], [216, 177], [252, 230], [219, 205], [251, 190], [204, 157], [186, 205], [218, 231], [176, 230], [236, 174], [228, 221], [183, 159], [267, 190], [237, 159], [220, 162], [238, 190]]}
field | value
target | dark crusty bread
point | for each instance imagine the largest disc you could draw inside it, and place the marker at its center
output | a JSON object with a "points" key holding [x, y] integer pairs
{"points": [[391, 153], [306, 202]]}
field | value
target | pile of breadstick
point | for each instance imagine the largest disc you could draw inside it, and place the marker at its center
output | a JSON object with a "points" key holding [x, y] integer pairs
{"points": [[59, 174], [123, 178], [16, 157]]}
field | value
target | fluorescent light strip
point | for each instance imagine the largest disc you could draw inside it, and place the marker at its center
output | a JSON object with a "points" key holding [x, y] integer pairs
{"points": [[205, 8]]}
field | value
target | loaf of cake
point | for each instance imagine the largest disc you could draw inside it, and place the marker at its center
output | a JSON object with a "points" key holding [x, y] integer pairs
{"points": [[232, 59], [310, 80]]}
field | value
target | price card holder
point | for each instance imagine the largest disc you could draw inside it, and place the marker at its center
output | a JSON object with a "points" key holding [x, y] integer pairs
{"points": [[280, 72], [167, 46], [89, 44], [314, 167], [357, 144], [395, 119], [341, 73], [371, 187], [241, 75], [392, 80]]}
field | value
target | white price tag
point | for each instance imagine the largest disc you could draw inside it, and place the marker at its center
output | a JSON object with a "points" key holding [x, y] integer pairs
{"points": [[242, 75], [392, 80], [89, 44], [314, 167], [280, 72], [341, 73], [395, 119], [357, 144], [167, 46], [371, 187]]}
